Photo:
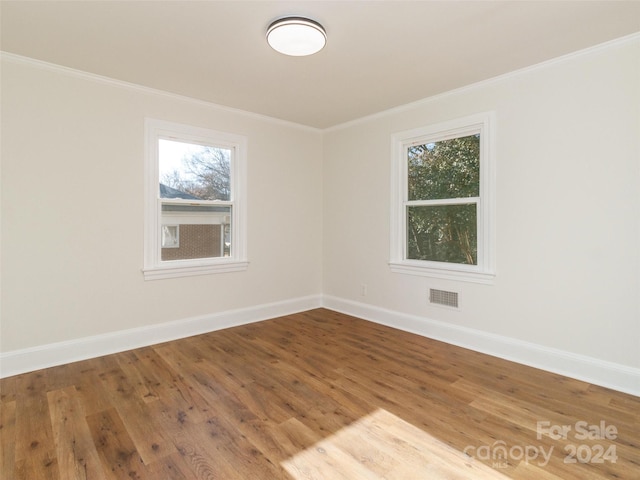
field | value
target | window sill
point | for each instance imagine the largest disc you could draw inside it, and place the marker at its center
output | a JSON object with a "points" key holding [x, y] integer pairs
{"points": [[462, 275], [175, 271]]}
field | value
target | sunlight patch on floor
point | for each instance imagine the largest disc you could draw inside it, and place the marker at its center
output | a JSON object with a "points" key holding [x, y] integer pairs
{"points": [[383, 446]]}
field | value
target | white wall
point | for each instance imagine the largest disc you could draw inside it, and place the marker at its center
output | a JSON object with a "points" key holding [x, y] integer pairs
{"points": [[568, 203], [72, 210], [567, 288]]}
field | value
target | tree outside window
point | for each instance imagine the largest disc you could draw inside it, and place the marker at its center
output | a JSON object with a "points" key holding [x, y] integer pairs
{"points": [[438, 173]]}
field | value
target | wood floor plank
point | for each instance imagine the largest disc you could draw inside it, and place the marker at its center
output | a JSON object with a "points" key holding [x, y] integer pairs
{"points": [[167, 384], [35, 452], [116, 450], [295, 436], [193, 454], [7, 438], [173, 467], [316, 394], [8, 389], [150, 440], [416, 454], [76, 452], [209, 448], [143, 381]]}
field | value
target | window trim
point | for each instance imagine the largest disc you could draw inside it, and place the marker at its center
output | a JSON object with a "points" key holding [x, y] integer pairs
{"points": [[154, 267], [484, 271]]}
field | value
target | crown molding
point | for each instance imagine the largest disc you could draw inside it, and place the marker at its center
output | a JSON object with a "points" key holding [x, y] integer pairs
{"points": [[19, 59], [490, 81], [92, 77]]}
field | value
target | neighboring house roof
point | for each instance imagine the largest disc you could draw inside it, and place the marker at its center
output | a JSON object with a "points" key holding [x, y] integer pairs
{"points": [[169, 192]]}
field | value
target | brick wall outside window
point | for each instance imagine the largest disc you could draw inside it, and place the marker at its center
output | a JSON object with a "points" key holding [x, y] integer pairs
{"points": [[196, 241]]}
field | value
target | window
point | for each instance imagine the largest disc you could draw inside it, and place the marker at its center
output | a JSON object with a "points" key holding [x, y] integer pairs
{"points": [[442, 200], [194, 213], [170, 236]]}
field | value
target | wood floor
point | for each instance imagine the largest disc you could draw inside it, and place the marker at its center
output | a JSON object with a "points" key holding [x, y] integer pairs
{"points": [[315, 395]]}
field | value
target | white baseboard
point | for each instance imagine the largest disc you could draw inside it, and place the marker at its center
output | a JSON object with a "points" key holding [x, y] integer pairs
{"points": [[592, 370], [50, 355], [599, 372]]}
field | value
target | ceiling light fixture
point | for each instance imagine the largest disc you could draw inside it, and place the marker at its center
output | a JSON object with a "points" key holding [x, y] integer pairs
{"points": [[296, 36]]}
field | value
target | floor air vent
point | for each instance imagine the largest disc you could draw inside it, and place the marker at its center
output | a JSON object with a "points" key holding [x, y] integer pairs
{"points": [[442, 297]]}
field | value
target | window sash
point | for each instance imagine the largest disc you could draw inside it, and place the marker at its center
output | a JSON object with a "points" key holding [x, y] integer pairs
{"points": [[223, 217], [199, 203], [441, 201]]}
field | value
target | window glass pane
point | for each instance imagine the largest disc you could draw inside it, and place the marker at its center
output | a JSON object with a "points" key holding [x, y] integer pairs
{"points": [[442, 233], [444, 169], [170, 236], [195, 231], [191, 171]]}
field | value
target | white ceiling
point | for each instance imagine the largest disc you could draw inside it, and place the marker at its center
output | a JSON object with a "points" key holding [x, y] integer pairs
{"points": [[379, 54]]}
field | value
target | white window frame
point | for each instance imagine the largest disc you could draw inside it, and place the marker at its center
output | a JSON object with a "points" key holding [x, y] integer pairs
{"points": [[484, 271], [154, 267]]}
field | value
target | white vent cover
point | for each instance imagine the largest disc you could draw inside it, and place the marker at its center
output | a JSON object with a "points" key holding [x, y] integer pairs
{"points": [[442, 297]]}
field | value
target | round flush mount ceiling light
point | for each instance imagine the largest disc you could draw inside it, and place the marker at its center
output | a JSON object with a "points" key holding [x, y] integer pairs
{"points": [[296, 36]]}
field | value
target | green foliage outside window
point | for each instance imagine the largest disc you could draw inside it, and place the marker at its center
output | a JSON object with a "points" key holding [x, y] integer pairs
{"points": [[444, 170]]}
